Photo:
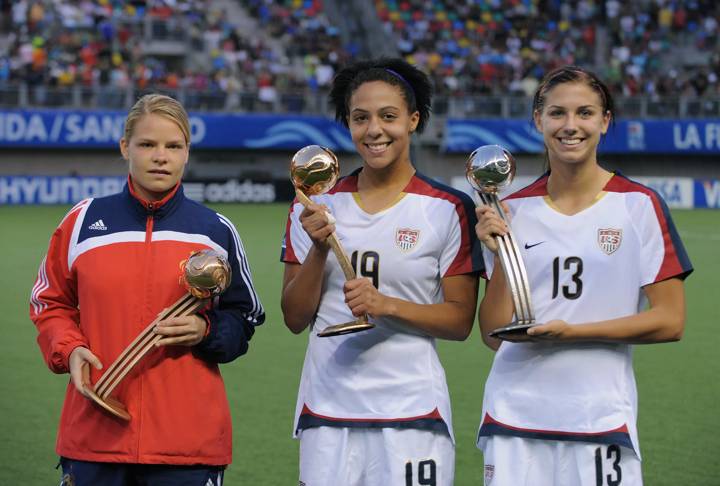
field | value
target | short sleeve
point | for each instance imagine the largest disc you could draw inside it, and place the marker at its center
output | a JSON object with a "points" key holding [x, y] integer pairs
{"points": [[462, 252], [663, 255], [296, 242]]}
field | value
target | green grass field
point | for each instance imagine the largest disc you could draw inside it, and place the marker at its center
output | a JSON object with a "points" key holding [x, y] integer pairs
{"points": [[678, 383]]}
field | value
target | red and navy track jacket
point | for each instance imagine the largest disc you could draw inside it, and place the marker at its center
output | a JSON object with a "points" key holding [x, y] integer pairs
{"points": [[112, 266]]}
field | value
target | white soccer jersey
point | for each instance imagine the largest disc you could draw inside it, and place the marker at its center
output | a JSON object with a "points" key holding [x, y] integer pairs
{"points": [[587, 267], [389, 375]]}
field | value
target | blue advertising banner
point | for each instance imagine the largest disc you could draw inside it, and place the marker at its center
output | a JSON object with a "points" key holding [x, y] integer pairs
{"points": [[706, 193], [103, 129], [23, 190], [625, 136], [57, 189], [678, 192]]}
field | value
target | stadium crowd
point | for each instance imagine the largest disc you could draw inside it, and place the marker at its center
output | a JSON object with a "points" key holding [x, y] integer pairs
{"points": [[506, 46], [103, 44], [468, 47]]}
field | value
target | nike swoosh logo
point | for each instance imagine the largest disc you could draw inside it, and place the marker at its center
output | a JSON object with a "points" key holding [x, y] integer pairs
{"points": [[527, 247]]}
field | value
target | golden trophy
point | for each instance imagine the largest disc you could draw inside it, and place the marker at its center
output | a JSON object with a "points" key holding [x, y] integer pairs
{"points": [[488, 169], [314, 170], [206, 273]]}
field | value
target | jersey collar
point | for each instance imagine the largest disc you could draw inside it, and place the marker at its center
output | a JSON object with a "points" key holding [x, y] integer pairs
{"points": [[158, 209]]}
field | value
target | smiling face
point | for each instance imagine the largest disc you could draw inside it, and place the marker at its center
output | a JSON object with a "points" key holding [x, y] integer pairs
{"points": [[380, 124], [572, 119], [156, 153]]}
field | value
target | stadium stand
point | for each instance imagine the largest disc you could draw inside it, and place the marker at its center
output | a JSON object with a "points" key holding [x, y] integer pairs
{"points": [[500, 47], [259, 55]]}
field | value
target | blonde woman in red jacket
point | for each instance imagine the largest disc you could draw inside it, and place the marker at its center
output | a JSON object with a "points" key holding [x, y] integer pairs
{"points": [[110, 269]]}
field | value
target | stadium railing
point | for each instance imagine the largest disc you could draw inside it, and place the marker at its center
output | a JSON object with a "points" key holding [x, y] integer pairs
{"points": [[22, 95]]}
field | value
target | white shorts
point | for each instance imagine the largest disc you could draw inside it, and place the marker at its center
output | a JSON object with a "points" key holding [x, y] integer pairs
{"points": [[515, 461], [332, 456]]}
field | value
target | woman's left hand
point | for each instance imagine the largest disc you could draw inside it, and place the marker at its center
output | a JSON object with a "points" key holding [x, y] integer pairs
{"points": [[551, 330], [363, 298], [182, 331]]}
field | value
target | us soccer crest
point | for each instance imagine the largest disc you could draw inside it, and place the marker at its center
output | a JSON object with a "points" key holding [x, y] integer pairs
{"points": [[609, 239], [489, 473], [406, 238]]}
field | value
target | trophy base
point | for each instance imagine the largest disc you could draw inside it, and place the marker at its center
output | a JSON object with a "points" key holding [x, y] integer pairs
{"points": [[347, 328], [516, 333], [110, 404]]}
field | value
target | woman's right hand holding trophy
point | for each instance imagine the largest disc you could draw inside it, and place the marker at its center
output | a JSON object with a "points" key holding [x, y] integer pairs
{"points": [[490, 168], [314, 170]]}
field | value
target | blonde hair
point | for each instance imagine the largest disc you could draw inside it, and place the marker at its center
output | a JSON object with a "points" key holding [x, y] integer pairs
{"points": [[158, 104]]}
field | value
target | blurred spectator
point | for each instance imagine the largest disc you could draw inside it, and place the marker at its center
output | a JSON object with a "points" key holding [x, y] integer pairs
{"points": [[468, 47], [472, 47]]}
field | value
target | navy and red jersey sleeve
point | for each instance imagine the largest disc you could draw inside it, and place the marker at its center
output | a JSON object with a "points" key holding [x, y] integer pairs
{"points": [[295, 243], [463, 253], [53, 300], [674, 261], [468, 258], [663, 254], [238, 310]]}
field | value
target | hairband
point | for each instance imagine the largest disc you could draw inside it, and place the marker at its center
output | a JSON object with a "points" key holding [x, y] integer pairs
{"points": [[399, 76]]}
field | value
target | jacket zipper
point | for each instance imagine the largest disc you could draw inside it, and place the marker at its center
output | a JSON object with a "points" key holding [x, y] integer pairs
{"points": [[147, 293]]}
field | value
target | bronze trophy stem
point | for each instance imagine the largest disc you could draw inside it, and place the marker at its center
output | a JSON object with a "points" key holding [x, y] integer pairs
{"points": [[202, 285]]}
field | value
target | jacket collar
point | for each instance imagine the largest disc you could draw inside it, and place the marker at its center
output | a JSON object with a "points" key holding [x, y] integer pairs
{"points": [[158, 209]]}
